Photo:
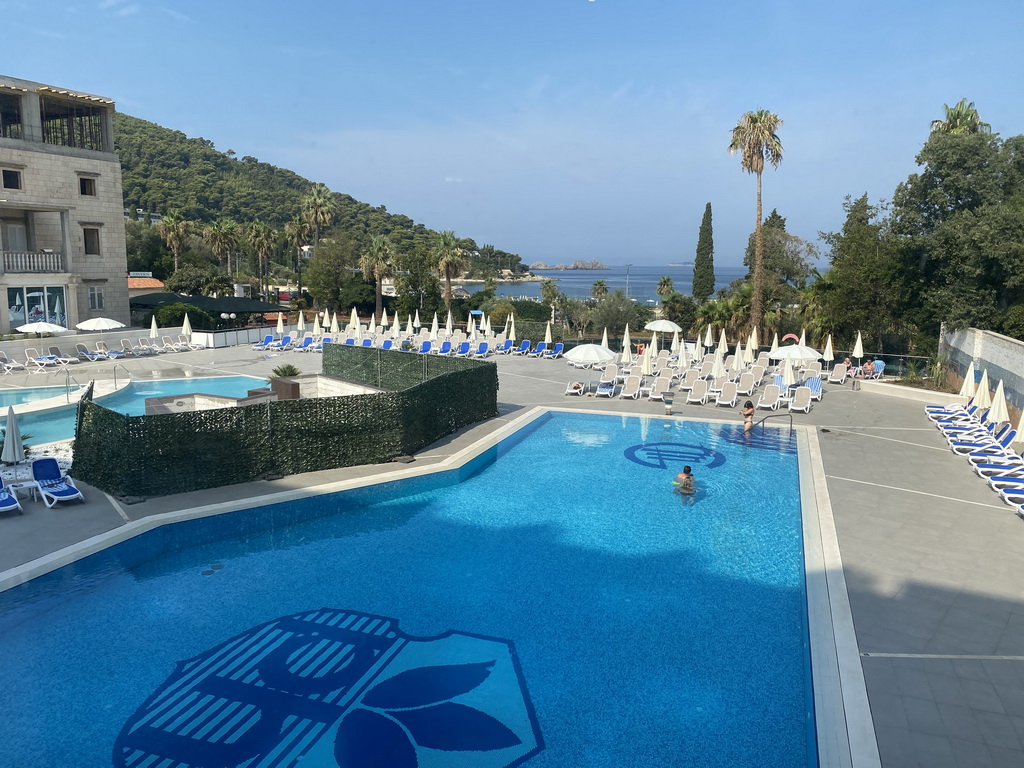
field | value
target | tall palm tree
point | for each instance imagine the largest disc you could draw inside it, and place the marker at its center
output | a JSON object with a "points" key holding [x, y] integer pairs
{"points": [[755, 139], [262, 238], [599, 289], [962, 119], [450, 259], [297, 231], [223, 238], [377, 264], [174, 229], [319, 208], [665, 287]]}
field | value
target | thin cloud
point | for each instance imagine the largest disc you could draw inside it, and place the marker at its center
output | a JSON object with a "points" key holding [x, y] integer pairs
{"points": [[128, 10], [176, 15]]}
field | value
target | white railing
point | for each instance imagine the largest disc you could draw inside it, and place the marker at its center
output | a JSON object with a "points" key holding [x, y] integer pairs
{"points": [[33, 261]]}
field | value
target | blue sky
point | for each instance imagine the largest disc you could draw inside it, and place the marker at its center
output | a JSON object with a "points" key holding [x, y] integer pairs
{"points": [[556, 129]]}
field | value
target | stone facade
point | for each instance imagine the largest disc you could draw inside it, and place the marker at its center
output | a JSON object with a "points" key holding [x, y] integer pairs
{"points": [[61, 208]]}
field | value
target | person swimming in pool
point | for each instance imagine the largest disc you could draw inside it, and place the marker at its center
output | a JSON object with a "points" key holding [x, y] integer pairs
{"points": [[683, 484]]}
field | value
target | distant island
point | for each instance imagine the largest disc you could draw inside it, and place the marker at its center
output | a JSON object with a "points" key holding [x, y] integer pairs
{"points": [[578, 264]]}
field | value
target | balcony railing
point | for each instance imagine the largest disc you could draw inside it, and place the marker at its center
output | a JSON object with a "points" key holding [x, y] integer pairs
{"points": [[33, 261]]}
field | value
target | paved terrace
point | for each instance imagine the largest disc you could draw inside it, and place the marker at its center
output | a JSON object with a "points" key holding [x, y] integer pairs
{"points": [[933, 559]]}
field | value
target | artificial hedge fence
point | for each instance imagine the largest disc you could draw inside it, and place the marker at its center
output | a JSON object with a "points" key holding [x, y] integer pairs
{"points": [[155, 455]]}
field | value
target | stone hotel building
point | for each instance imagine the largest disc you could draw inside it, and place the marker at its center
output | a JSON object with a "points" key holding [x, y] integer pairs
{"points": [[62, 247]]}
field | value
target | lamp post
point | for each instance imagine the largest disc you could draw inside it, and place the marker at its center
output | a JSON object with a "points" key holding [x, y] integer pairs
{"points": [[627, 279], [307, 250]]}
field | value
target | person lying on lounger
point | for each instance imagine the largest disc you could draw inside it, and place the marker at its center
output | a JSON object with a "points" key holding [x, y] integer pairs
{"points": [[575, 388]]}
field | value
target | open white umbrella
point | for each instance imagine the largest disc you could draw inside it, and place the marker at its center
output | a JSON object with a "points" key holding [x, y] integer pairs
{"points": [[604, 338], [14, 449], [416, 321], [547, 333], [999, 413], [858, 348], [982, 397], [41, 328], [968, 387], [588, 354], [723, 345], [738, 362], [335, 328], [186, 327], [709, 340], [662, 326], [317, 330], [99, 324], [794, 352], [627, 350], [828, 355], [435, 326], [280, 324], [775, 343]]}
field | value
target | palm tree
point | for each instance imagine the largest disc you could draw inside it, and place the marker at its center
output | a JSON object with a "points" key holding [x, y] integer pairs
{"points": [[962, 119], [754, 139], [450, 258], [262, 238], [665, 287], [174, 229], [319, 209], [377, 264], [599, 289], [297, 231], [223, 238]]}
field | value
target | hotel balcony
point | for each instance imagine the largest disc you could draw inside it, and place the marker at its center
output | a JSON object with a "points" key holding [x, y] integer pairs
{"points": [[24, 262]]}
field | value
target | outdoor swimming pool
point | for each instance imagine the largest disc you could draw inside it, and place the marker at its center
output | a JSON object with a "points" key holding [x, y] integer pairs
{"points": [[59, 424], [31, 394], [559, 606]]}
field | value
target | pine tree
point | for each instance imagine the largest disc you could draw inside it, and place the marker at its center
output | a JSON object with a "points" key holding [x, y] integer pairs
{"points": [[704, 264]]}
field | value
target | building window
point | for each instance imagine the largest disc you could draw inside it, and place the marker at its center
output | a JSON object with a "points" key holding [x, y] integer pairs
{"points": [[87, 186], [12, 179], [42, 304], [10, 116], [92, 241], [95, 298], [71, 123]]}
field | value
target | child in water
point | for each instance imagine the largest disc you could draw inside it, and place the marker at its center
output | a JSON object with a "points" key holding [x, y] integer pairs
{"points": [[683, 484]]}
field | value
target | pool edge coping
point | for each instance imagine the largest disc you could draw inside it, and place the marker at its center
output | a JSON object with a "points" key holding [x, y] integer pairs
{"points": [[843, 724]]}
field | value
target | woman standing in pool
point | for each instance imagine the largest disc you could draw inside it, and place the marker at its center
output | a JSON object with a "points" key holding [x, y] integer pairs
{"points": [[748, 416]]}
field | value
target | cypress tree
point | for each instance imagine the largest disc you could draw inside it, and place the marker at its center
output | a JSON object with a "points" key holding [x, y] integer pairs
{"points": [[704, 264]]}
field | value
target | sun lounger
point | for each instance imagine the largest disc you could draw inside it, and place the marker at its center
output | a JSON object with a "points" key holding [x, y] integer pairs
{"points": [[388, 345], [445, 348], [688, 380], [576, 388], [555, 352], [87, 355], [62, 360], [463, 350], [186, 343], [36, 362], [838, 374], [523, 348], [662, 386], [52, 484], [505, 348], [745, 385], [170, 345], [482, 350], [305, 345], [728, 396], [8, 499], [10, 366], [425, 347], [801, 400], [699, 392], [539, 351], [150, 347], [631, 388], [110, 354], [770, 398], [263, 345], [282, 345], [605, 389], [814, 384]]}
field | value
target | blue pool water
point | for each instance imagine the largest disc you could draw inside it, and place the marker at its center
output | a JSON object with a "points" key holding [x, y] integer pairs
{"points": [[620, 625], [59, 424], [30, 395]]}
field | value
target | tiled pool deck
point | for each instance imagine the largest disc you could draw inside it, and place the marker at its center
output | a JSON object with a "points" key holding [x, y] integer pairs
{"points": [[932, 558]]}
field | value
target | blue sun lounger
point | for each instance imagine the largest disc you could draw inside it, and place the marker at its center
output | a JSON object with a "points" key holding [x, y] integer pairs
{"points": [[53, 486], [267, 341], [8, 500]]}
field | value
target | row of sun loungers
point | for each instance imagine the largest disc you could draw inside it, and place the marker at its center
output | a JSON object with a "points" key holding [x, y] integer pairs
{"points": [[56, 358], [48, 482], [987, 446]]}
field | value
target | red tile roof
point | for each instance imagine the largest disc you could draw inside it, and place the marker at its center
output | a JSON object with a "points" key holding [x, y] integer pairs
{"points": [[144, 282]]}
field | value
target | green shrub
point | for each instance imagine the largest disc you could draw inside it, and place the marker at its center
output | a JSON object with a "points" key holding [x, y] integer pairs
{"points": [[1013, 322]]}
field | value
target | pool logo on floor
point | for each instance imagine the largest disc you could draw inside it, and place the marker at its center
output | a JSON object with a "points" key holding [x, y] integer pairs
{"points": [[660, 455], [338, 688]]}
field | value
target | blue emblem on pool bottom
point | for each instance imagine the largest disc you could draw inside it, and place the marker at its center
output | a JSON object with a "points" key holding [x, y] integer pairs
{"points": [[337, 688], [660, 455]]}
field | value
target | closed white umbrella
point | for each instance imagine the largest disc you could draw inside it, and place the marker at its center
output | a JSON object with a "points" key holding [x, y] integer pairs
{"points": [[999, 413], [508, 320], [512, 328], [708, 338], [654, 343], [647, 361], [982, 397], [698, 349], [383, 319], [317, 330], [300, 325], [788, 375], [472, 333], [627, 350], [1020, 428], [408, 326], [154, 331], [99, 324], [352, 329], [604, 338], [335, 328], [487, 325], [588, 354], [775, 343], [674, 348], [396, 327], [448, 324], [416, 321], [14, 449], [186, 327], [723, 345], [748, 355], [280, 324], [738, 362], [967, 389], [435, 326], [858, 348], [683, 361], [470, 325], [754, 343], [718, 367], [828, 355], [803, 338], [547, 333]]}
